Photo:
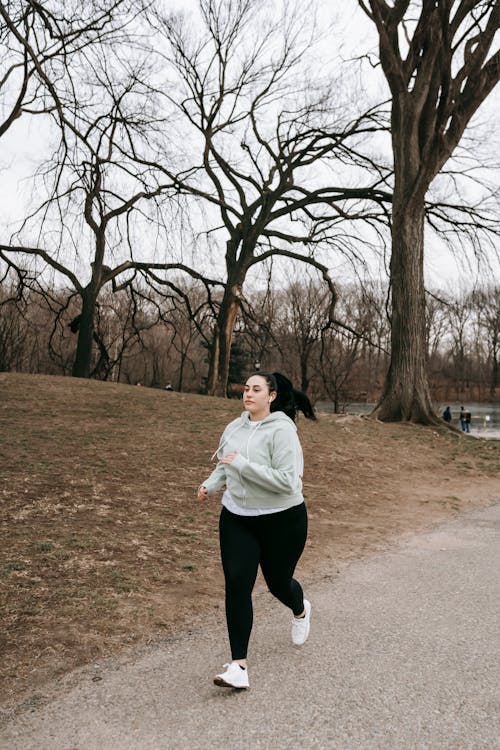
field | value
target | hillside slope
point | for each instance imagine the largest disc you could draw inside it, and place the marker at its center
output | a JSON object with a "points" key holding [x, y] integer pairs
{"points": [[103, 543]]}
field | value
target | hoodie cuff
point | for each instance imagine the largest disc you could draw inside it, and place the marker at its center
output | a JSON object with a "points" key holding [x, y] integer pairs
{"points": [[239, 462]]}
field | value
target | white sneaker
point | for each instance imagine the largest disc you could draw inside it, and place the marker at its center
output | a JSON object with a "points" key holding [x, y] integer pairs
{"points": [[234, 677], [300, 626]]}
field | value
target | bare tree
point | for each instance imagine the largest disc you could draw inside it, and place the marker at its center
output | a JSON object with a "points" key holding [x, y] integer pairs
{"points": [[179, 333], [36, 41], [339, 354], [437, 62], [437, 332], [486, 303], [61, 59], [348, 344], [304, 312], [95, 193], [459, 316], [14, 328], [260, 313], [261, 133], [375, 343]]}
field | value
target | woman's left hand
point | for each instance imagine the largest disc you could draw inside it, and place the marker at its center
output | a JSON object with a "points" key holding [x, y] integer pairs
{"points": [[229, 458]]}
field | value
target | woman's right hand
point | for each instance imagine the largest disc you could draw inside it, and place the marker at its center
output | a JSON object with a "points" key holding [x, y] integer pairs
{"points": [[202, 492]]}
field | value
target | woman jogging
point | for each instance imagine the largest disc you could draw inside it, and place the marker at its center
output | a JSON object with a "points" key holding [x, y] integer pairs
{"points": [[263, 519]]}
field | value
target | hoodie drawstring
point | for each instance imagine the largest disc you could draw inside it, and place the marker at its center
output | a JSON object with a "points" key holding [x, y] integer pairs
{"points": [[224, 440]]}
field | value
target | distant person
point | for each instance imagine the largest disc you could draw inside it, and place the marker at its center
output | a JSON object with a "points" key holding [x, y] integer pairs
{"points": [[468, 419], [447, 415], [465, 419], [264, 518], [169, 387]]}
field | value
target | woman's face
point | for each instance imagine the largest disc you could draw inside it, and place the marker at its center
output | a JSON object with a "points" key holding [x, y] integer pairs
{"points": [[257, 397]]}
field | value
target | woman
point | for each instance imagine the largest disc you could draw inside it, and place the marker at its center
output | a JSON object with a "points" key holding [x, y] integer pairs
{"points": [[263, 519]]}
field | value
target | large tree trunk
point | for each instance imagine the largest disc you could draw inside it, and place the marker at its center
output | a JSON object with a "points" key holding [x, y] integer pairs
{"points": [[406, 394], [83, 357], [221, 346]]}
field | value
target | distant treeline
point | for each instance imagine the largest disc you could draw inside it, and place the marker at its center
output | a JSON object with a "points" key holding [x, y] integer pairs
{"points": [[155, 340]]}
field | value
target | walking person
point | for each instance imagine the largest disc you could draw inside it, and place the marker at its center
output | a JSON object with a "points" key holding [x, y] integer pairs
{"points": [[465, 419], [263, 519]]}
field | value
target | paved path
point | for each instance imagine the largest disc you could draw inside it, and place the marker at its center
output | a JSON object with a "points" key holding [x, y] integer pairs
{"points": [[401, 657]]}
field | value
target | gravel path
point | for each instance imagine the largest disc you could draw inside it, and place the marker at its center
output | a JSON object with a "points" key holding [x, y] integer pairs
{"points": [[401, 656]]}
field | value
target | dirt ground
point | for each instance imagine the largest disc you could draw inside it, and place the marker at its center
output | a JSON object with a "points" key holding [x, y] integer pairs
{"points": [[102, 541]]}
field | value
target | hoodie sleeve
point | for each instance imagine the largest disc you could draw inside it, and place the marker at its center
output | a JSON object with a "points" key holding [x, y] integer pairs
{"points": [[286, 467], [216, 480]]}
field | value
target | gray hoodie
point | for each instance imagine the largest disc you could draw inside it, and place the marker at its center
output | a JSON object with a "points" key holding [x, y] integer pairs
{"points": [[267, 472]]}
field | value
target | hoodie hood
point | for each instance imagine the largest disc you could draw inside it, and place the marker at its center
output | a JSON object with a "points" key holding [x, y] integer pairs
{"points": [[271, 419]]}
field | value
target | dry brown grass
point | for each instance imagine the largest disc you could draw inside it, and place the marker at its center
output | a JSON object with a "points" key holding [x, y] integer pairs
{"points": [[103, 544]]}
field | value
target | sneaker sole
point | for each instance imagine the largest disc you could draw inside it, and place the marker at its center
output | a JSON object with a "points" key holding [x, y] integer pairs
{"points": [[299, 645], [222, 683]]}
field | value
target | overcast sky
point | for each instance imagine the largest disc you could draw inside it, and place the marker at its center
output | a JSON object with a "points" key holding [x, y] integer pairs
{"points": [[21, 146]]}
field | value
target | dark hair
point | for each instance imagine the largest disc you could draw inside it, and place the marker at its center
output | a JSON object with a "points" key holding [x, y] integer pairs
{"points": [[288, 398]]}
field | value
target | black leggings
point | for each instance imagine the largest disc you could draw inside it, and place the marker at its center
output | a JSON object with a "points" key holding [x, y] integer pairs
{"points": [[276, 542]]}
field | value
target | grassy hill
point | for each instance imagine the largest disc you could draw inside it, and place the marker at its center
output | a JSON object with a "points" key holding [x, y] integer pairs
{"points": [[103, 543]]}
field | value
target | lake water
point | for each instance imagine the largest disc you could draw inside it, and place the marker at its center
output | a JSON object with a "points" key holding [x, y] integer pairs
{"points": [[485, 417]]}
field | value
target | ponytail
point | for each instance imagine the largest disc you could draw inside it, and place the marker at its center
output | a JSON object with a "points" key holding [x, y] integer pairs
{"points": [[288, 399]]}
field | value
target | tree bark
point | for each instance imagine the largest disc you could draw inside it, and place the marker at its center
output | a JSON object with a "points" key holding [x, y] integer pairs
{"points": [[220, 354], [406, 395], [83, 356]]}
